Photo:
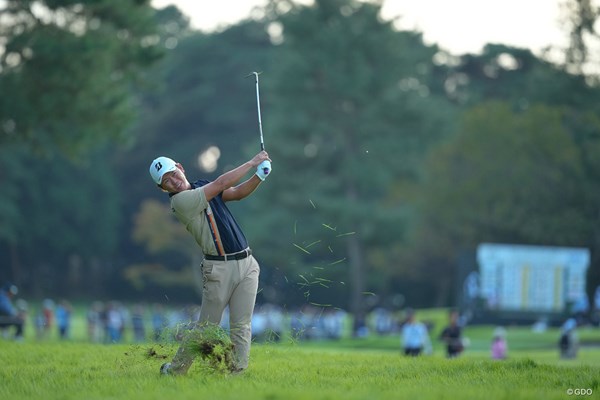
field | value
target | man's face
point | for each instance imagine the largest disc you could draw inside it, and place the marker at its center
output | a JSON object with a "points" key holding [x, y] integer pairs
{"points": [[175, 181]]}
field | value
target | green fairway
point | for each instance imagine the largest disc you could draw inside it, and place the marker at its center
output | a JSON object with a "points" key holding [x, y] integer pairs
{"points": [[75, 370], [368, 368]]}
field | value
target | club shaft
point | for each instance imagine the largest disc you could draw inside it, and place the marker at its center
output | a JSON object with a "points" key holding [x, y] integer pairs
{"points": [[262, 142]]}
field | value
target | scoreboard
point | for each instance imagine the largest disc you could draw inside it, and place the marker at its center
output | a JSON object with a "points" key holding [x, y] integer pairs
{"points": [[531, 278]]}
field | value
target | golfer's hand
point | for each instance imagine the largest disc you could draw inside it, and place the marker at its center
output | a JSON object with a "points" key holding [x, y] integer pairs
{"points": [[263, 170], [260, 157]]}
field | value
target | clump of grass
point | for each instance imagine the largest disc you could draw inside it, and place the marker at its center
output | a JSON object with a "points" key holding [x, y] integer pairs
{"points": [[151, 353], [213, 345]]}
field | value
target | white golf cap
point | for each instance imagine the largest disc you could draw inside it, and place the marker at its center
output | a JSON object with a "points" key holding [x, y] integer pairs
{"points": [[161, 166]]}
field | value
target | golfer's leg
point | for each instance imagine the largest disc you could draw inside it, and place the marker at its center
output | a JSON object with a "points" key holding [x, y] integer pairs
{"points": [[215, 295], [241, 307]]}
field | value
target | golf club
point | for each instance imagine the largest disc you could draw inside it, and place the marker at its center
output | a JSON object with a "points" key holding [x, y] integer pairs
{"points": [[262, 142]]}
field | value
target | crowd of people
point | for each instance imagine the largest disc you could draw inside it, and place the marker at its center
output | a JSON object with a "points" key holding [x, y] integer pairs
{"points": [[111, 322], [106, 322], [114, 322]]}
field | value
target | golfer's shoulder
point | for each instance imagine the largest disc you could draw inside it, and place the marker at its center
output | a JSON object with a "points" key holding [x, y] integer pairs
{"points": [[189, 199]]}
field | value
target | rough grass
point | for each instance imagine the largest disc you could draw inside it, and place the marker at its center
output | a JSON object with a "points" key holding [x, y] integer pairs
{"points": [[370, 368], [87, 371], [213, 346]]}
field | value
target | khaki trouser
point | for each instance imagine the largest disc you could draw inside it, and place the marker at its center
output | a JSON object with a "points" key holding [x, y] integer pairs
{"points": [[233, 282]]}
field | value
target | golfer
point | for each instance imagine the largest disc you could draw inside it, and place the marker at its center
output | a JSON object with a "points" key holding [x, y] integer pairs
{"points": [[229, 271]]}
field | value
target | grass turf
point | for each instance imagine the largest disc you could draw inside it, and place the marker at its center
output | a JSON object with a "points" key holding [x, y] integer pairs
{"points": [[72, 370], [370, 368]]}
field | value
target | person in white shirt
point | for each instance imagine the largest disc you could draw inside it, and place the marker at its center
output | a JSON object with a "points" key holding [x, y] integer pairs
{"points": [[415, 337]]}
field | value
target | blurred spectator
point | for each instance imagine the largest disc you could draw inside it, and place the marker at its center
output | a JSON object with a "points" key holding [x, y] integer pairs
{"points": [[382, 321], [9, 315], [183, 320], [568, 342], [125, 317], [22, 311], [159, 321], [499, 344], [581, 308], [39, 322], [296, 325], [137, 323], [452, 336], [596, 312], [415, 338], [471, 289], [304, 323], [334, 323], [95, 328], [114, 322], [259, 324], [48, 312], [104, 323], [308, 323], [63, 318], [540, 326], [360, 327], [274, 328]]}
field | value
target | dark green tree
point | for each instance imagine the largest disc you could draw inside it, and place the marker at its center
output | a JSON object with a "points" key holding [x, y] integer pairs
{"points": [[523, 81], [516, 75], [350, 117], [67, 75], [508, 177], [63, 219], [67, 71]]}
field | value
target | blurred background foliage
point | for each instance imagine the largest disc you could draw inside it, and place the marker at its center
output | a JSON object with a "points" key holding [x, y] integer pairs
{"points": [[392, 158]]}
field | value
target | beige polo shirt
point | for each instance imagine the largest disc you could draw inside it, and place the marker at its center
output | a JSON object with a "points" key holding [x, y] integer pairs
{"points": [[191, 209]]}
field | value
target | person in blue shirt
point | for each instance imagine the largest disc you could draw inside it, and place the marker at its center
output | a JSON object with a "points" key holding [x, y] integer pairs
{"points": [[9, 315], [63, 319]]}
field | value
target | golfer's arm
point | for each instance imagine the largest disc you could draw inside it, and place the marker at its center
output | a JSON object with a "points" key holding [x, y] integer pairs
{"points": [[227, 180], [242, 190]]}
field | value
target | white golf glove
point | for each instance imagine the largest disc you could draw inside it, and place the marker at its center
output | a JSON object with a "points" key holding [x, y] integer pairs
{"points": [[263, 169]]}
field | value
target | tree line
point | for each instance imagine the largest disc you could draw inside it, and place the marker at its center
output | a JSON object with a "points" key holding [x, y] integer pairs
{"points": [[392, 157]]}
